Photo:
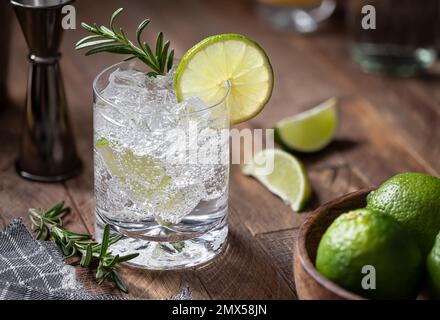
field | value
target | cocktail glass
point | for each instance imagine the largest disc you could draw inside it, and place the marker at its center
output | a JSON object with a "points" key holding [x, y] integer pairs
{"points": [[161, 168]]}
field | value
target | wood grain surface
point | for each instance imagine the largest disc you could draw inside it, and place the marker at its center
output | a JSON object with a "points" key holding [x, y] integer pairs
{"points": [[388, 125]]}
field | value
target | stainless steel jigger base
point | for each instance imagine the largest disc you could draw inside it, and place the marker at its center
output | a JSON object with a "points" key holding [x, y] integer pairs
{"points": [[58, 178]]}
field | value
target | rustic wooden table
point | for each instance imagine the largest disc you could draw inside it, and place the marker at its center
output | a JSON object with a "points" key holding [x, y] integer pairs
{"points": [[388, 125]]}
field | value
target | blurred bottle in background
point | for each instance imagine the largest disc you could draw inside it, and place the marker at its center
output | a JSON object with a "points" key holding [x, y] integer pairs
{"points": [[5, 28], [404, 40], [302, 16]]}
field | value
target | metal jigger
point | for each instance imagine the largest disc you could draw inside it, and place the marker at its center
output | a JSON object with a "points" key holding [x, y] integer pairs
{"points": [[47, 151]]}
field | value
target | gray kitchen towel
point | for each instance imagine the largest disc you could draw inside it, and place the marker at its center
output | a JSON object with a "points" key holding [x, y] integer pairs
{"points": [[35, 270]]}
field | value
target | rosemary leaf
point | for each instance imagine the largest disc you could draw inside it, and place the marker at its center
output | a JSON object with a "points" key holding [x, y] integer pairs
{"points": [[170, 60], [107, 39], [164, 56], [88, 27], [127, 257], [94, 43], [112, 48], [107, 31], [150, 54], [105, 240], [117, 279], [159, 43], [87, 258], [140, 29], [113, 18]]}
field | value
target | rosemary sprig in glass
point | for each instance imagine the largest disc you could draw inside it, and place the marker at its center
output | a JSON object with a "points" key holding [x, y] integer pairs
{"points": [[104, 39], [49, 226]]}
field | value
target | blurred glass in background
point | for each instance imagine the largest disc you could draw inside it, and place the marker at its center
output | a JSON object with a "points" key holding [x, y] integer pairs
{"points": [[5, 28], [404, 40], [302, 16]]}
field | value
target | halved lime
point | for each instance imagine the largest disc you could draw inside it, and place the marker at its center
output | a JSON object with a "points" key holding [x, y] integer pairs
{"points": [[311, 130], [227, 60], [288, 179]]}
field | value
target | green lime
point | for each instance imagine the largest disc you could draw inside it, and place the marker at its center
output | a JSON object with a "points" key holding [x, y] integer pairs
{"points": [[413, 199], [283, 175], [227, 60], [311, 130], [361, 239], [433, 266]]}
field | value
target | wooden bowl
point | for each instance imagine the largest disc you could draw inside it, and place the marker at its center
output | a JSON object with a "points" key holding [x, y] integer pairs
{"points": [[310, 284]]}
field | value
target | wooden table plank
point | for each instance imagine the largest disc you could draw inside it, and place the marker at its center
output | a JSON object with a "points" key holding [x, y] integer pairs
{"points": [[16, 197], [409, 107], [279, 245], [244, 270]]}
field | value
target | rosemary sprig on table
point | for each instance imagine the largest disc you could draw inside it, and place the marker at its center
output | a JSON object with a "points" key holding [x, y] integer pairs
{"points": [[111, 40], [49, 226]]}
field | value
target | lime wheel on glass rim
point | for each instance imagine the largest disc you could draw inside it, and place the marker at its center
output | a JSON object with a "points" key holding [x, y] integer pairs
{"points": [[222, 63]]}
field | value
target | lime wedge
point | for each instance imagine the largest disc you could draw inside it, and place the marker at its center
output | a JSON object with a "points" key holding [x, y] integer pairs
{"points": [[311, 130], [227, 62], [288, 179]]}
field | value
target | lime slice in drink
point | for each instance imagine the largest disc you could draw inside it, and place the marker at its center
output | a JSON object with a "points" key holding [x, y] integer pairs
{"points": [[146, 183], [311, 130], [227, 62], [288, 179], [140, 175]]}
